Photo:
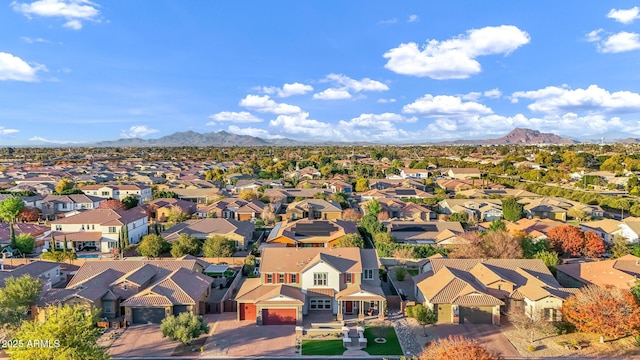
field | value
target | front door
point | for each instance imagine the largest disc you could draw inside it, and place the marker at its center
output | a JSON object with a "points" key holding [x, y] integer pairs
{"points": [[349, 306]]}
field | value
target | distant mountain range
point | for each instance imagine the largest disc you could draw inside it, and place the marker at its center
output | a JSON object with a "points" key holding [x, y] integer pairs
{"points": [[517, 136], [192, 138]]}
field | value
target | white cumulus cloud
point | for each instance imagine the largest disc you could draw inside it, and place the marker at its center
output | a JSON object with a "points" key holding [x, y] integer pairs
{"points": [[344, 86], [14, 68], [137, 131], [386, 101], [620, 42], [265, 104], [73, 11], [251, 131], [300, 125], [454, 58], [5, 131], [412, 18], [41, 139], [445, 105], [594, 36], [288, 90], [332, 94], [625, 16], [553, 100], [236, 117]]}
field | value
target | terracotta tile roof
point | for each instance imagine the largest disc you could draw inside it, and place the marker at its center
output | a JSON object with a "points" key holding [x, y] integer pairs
{"points": [[320, 292], [295, 260], [477, 300], [607, 225], [76, 236], [121, 267], [363, 291], [296, 230], [204, 228], [103, 217], [147, 300], [621, 272], [252, 291]]}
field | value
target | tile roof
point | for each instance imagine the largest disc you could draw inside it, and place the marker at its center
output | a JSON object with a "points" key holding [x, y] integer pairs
{"points": [[103, 217], [203, 228], [293, 259], [622, 272]]}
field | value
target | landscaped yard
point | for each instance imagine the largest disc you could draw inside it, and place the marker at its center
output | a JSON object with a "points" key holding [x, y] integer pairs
{"points": [[390, 347], [322, 347], [412, 272]]}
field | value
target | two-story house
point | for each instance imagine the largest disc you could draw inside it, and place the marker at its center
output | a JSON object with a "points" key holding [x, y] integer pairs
{"points": [[241, 232], [98, 229], [53, 205], [310, 233], [313, 209], [119, 192], [297, 282]]}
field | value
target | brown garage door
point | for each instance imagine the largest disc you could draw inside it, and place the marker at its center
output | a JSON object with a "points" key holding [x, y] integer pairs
{"points": [[247, 311], [278, 316], [476, 315]]}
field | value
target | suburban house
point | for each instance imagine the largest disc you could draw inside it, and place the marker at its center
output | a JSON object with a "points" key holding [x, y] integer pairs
{"points": [[253, 185], [463, 173], [119, 192], [55, 205], [630, 229], [241, 232], [399, 209], [296, 282], [381, 184], [287, 196], [535, 228], [479, 209], [48, 272], [478, 290], [138, 292], [493, 193], [431, 232], [161, 209], [98, 229], [622, 273], [310, 233], [606, 228], [401, 193], [415, 173], [34, 230], [558, 208], [199, 196], [313, 209]]}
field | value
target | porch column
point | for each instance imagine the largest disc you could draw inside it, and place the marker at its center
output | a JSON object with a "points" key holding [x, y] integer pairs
{"points": [[380, 310], [340, 317], [361, 310]]}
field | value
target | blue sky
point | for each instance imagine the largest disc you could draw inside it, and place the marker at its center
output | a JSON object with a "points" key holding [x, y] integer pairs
{"points": [[392, 72]]}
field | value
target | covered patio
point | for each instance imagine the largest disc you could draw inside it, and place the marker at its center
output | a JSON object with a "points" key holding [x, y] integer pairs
{"points": [[360, 302]]}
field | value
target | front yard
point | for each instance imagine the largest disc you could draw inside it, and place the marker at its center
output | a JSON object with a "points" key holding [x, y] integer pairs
{"points": [[322, 347], [390, 347], [563, 345]]}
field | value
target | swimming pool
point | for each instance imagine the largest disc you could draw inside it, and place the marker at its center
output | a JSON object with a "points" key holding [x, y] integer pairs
{"points": [[88, 256]]}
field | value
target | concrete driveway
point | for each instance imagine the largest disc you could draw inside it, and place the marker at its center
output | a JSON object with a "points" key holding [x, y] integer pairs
{"points": [[142, 340], [489, 336], [233, 338]]}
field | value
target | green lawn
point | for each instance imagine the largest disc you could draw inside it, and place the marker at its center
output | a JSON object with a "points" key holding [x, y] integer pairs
{"points": [[391, 347], [412, 272], [322, 347]]}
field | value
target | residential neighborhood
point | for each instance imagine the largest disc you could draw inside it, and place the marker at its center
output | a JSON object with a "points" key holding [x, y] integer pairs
{"points": [[326, 258]]}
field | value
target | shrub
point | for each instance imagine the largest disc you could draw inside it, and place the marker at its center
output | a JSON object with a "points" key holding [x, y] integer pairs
{"points": [[409, 311], [564, 327], [400, 272], [531, 348]]}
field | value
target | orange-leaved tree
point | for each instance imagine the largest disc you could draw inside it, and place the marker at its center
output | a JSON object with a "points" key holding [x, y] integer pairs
{"points": [[568, 239], [112, 204], [607, 311], [593, 244], [455, 348]]}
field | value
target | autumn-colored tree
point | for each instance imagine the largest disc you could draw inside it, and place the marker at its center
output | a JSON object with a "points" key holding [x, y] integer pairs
{"points": [[351, 215], [493, 245], [383, 237], [350, 240], [64, 184], [605, 310], [267, 215], [112, 204], [566, 239], [571, 240], [29, 214], [362, 184], [248, 195], [382, 216], [593, 244], [455, 348]]}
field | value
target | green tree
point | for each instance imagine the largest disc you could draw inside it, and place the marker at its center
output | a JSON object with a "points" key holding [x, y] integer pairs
{"points": [[185, 327], [619, 247], [549, 258], [425, 316], [373, 207], [512, 209], [372, 225], [25, 243], [65, 184], [185, 244], [350, 240], [497, 225], [72, 331], [165, 195], [362, 184], [153, 246], [462, 218], [176, 215], [17, 297], [218, 246], [530, 246], [130, 202], [384, 237], [9, 210]]}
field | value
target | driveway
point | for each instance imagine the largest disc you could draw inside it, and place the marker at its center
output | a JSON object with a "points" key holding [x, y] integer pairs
{"points": [[234, 338], [489, 336], [142, 340]]}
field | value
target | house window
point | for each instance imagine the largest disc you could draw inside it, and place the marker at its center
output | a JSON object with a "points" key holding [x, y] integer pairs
{"points": [[349, 278], [320, 304], [368, 274], [58, 227], [93, 227], [320, 279], [294, 278], [112, 229], [105, 193], [124, 286], [281, 278], [269, 278], [107, 307]]}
